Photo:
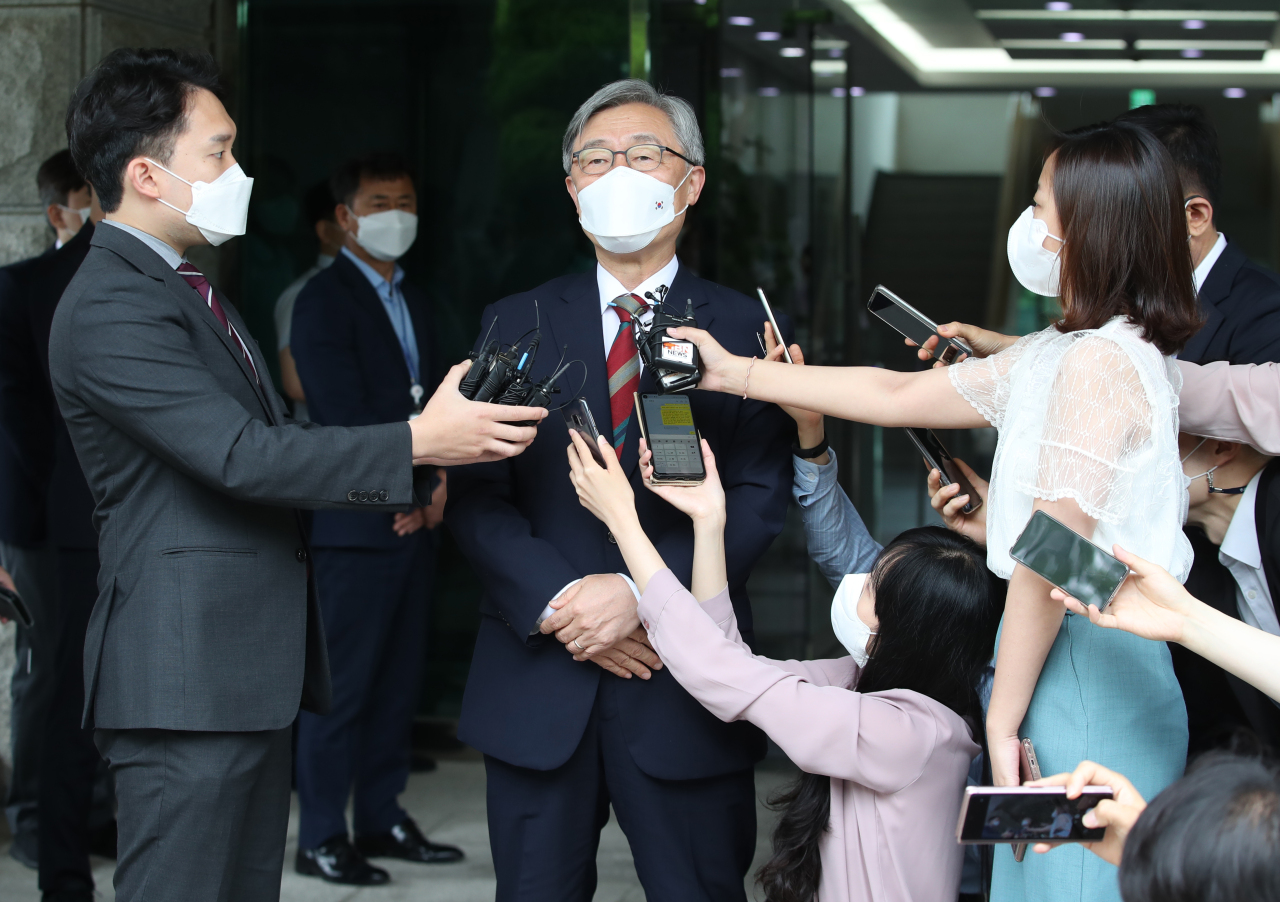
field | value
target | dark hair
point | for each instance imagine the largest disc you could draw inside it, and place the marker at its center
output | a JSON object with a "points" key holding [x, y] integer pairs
{"points": [[56, 178], [939, 608], [379, 167], [318, 203], [134, 103], [1191, 140], [1125, 247], [1213, 836]]}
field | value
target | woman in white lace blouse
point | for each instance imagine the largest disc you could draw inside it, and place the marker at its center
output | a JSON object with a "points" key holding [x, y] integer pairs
{"points": [[1087, 418]]}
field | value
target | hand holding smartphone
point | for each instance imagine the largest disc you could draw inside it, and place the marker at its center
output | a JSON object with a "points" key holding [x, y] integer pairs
{"points": [[666, 422], [577, 417], [913, 324], [1069, 561], [1028, 814], [937, 458], [773, 324]]}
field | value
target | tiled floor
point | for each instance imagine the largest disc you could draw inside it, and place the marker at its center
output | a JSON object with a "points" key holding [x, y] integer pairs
{"points": [[449, 805]]}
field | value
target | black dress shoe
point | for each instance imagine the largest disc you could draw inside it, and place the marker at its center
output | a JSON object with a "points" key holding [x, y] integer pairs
{"points": [[406, 841], [336, 861]]}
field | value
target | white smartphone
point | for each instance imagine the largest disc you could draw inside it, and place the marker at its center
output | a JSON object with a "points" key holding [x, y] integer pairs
{"points": [[773, 323]]}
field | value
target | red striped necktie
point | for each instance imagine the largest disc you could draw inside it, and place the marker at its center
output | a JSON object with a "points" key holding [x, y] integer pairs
{"points": [[623, 366], [196, 280]]}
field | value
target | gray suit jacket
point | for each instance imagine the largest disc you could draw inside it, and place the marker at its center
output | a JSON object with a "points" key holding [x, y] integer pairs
{"points": [[205, 619]]}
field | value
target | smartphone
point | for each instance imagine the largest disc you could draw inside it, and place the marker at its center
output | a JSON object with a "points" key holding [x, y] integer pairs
{"points": [[773, 323], [577, 416], [936, 458], [1069, 560], [666, 422], [1028, 814], [12, 607], [914, 325], [1030, 770]]}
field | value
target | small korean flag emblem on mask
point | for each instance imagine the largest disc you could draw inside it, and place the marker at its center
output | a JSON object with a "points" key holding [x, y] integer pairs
{"points": [[657, 205]]}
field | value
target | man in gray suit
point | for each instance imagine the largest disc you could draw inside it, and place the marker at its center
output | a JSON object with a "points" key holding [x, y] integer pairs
{"points": [[206, 636]]}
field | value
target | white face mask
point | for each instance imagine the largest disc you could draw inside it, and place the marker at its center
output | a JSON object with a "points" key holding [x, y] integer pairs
{"points": [[1037, 268], [83, 213], [853, 634], [625, 210], [219, 209], [387, 235]]}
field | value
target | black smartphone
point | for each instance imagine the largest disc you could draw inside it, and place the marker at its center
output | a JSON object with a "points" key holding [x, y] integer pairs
{"points": [[1069, 560], [577, 416], [1028, 814], [12, 607], [666, 422], [914, 325], [1030, 766], [937, 458]]}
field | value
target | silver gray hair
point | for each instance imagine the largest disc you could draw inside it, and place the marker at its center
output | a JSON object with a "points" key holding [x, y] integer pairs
{"points": [[634, 90]]}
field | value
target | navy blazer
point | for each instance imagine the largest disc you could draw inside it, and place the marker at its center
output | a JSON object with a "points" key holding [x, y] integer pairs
{"points": [[1240, 302], [353, 373], [527, 701], [70, 508], [27, 411]]}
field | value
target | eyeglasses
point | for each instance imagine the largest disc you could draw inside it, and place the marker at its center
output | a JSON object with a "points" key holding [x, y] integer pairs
{"points": [[642, 157]]}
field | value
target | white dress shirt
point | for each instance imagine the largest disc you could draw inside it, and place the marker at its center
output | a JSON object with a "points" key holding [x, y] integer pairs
{"points": [[611, 288], [1202, 271], [1241, 554]]}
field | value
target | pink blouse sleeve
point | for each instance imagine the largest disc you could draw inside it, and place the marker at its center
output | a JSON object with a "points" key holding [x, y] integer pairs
{"points": [[881, 741], [1232, 403]]}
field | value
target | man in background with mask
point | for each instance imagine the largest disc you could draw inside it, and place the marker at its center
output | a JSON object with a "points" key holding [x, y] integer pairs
{"points": [[362, 339], [206, 636], [565, 698]]}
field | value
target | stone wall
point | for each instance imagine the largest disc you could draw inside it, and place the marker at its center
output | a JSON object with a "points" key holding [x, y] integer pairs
{"points": [[46, 47]]}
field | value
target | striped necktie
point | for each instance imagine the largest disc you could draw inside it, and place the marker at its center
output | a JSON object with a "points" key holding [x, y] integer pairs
{"points": [[196, 280], [623, 366]]}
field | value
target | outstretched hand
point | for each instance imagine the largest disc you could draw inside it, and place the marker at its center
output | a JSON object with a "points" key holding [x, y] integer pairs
{"points": [[1150, 602], [809, 424], [452, 430], [983, 341], [949, 503], [605, 491], [700, 502], [721, 371], [1118, 814]]}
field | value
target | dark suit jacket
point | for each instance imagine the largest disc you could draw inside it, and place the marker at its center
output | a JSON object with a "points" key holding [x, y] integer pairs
{"points": [[26, 412], [1220, 705], [205, 619], [70, 503], [353, 372], [519, 521], [1240, 301]]}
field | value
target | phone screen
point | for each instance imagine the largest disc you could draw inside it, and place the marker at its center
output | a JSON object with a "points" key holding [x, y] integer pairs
{"points": [[1029, 814], [673, 438], [1068, 560], [913, 324]]}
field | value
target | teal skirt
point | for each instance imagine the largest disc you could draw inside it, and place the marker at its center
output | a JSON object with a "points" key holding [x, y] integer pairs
{"points": [[1105, 696]]}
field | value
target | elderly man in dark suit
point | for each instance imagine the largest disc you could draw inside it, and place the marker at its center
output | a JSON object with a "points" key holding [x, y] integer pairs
{"points": [[573, 726], [362, 339], [205, 638]]}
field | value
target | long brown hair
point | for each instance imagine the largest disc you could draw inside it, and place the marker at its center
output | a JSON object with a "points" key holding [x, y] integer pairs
{"points": [[1125, 247]]}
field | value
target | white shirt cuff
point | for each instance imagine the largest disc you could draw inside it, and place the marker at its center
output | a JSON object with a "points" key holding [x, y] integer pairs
{"points": [[549, 610]]}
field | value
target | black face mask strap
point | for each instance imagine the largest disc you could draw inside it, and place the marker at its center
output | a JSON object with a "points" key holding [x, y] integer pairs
{"points": [[1214, 490]]}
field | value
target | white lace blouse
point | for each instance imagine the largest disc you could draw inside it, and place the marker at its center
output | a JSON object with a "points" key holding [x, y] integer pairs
{"points": [[1089, 415]]}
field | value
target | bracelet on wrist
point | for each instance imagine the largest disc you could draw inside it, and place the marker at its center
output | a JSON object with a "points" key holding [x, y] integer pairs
{"points": [[809, 453]]}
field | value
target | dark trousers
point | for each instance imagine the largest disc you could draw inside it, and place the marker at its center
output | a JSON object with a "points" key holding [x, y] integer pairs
{"points": [[33, 683], [690, 839], [72, 765], [374, 603], [202, 816]]}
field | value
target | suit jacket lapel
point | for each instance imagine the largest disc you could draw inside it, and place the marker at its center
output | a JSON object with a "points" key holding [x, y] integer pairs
{"points": [[261, 379], [1216, 287], [367, 296], [575, 321], [424, 333]]}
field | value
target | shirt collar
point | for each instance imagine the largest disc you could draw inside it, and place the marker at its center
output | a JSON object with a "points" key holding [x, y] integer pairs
{"points": [[167, 254], [324, 261], [1202, 271], [1241, 541], [375, 278], [611, 288]]}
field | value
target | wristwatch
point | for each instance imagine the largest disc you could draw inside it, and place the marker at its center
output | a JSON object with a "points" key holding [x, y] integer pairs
{"points": [[809, 453]]}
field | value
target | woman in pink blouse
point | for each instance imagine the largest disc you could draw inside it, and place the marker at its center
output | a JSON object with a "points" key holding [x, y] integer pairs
{"points": [[886, 746]]}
